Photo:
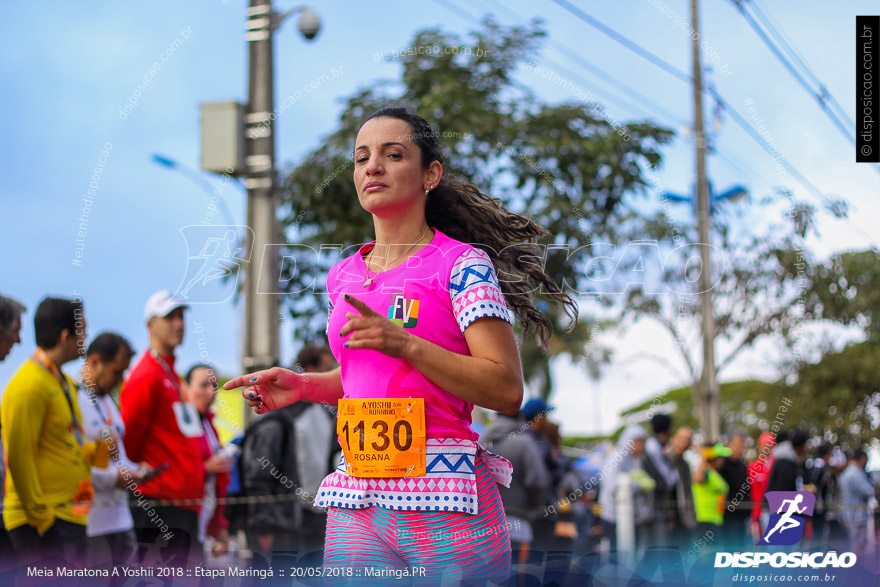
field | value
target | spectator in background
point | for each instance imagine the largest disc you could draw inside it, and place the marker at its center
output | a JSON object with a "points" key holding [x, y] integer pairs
{"points": [[199, 388], [630, 450], [759, 472], [710, 489], [10, 327], [10, 324], [535, 411], [286, 453], [48, 460], [736, 474], [787, 473], [818, 477], [664, 475], [564, 530], [164, 430], [317, 445], [856, 490], [507, 437], [685, 519], [834, 520], [110, 528]]}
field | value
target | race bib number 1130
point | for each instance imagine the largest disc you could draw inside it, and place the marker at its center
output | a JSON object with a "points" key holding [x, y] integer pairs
{"points": [[383, 437]]}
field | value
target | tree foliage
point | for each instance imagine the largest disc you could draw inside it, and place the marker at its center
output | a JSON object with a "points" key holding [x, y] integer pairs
{"points": [[836, 400], [846, 289], [751, 405]]}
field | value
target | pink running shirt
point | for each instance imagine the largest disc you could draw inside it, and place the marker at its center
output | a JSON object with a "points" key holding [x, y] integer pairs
{"points": [[435, 294]]}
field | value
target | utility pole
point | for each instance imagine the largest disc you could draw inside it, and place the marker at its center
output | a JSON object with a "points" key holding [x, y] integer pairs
{"points": [[261, 321], [709, 405]]}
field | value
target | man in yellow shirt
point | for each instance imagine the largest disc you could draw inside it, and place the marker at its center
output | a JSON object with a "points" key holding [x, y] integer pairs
{"points": [[48, 475]]}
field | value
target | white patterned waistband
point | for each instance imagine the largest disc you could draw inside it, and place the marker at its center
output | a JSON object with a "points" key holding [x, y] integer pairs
{"points": [[449, 483]]}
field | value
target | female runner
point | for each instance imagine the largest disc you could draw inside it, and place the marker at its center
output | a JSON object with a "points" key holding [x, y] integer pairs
{"points": [[419, 324]]}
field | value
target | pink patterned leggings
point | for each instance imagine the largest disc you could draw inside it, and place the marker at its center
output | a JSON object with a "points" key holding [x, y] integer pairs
{"points": [[393, 547]]}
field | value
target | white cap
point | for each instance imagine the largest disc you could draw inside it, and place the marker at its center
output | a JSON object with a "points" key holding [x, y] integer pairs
{"points": [[161, 304]]}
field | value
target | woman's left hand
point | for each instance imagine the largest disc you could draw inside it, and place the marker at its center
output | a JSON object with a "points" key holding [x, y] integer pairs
{"points": [[371, 330]]}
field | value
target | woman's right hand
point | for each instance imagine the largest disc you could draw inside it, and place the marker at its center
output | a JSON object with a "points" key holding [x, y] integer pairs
{"points": [[270, 389]]}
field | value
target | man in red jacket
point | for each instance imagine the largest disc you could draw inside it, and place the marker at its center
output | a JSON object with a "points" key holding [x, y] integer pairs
{"points": [[164, 430]]}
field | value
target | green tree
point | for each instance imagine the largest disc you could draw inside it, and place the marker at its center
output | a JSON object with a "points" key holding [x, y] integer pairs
{"points": [[751, 405], [846, 289], [565, 166], [759, 288], [838, 397]]}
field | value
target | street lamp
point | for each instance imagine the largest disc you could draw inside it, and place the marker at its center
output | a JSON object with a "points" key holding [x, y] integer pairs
{"points": [[196, 177], [732, 194]]}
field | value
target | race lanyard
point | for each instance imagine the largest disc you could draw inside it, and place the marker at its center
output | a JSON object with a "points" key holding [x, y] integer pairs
{"points": [[107, 419], [213, 441], [53, 368], [383, 437], [187, 419]]}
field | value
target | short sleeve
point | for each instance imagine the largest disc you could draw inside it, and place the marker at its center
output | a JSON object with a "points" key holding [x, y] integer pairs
{"points": [[474, 289]]}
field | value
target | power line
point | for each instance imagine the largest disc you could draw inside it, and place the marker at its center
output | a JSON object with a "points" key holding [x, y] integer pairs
{"points": [[739, 120], [726, 160], [826, 101], [681, 75], [671, 69], [589, 66], [777, 31], [820, 98], [661, 63], [624, 103]]}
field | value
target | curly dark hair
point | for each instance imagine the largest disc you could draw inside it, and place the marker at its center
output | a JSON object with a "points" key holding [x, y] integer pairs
{"points": [[460, 210]]}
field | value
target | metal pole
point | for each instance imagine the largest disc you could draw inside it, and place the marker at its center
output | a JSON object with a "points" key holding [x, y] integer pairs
{"points": [[261, 273], [710, 419], [626, 519]]}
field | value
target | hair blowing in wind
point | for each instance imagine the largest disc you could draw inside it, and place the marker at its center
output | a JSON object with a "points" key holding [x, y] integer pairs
{"points": [[460, 210]]}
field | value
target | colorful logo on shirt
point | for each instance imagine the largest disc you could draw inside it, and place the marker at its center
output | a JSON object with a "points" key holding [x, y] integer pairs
{"points": [[786, 526], [404, 312]]}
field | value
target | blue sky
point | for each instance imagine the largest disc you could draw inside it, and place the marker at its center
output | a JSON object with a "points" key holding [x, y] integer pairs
{"points": [[68, 67]]}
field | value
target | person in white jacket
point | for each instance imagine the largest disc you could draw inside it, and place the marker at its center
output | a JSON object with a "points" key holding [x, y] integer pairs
{"points": [[110, 528], [628, 457], [856, 490]]}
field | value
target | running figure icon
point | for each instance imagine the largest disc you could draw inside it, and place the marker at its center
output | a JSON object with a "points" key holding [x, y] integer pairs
{"points": [[786, 522], [219, 261]]}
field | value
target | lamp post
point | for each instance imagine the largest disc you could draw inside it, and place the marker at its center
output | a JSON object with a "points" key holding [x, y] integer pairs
{"points": [[709, 405], [732, 194], [261, 344]]}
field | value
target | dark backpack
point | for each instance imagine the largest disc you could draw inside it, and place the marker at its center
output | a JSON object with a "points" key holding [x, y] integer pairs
{"points": [[287, 467]]}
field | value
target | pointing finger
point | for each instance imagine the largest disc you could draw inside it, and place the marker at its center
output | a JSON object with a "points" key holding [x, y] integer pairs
{"points": [[360, 306], [242, 380]]}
